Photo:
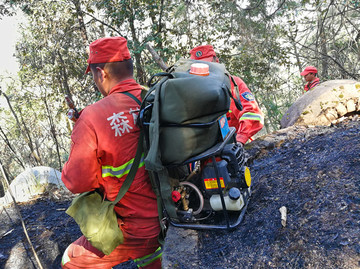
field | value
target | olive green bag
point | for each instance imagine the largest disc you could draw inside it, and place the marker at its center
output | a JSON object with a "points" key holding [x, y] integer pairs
{"points": [[96, 217], [182, 111]]}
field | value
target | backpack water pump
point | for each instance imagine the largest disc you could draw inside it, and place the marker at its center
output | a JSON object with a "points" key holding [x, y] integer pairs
{"points": [[197, 169]]}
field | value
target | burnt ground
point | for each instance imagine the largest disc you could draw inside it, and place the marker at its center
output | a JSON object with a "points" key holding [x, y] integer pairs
{"points": [[316, 176], [49, 228], [313, 171]]}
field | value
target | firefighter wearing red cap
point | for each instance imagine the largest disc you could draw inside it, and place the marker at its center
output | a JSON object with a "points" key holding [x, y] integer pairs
{"points": [[310, 76], [248, 121], [104, 143]]}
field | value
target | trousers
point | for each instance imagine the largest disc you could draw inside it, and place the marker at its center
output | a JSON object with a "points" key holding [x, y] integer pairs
{"points": [[81, 254]]}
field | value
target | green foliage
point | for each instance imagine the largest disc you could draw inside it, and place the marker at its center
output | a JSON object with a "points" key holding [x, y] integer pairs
{"points": [[6, 9], [266, 43]]}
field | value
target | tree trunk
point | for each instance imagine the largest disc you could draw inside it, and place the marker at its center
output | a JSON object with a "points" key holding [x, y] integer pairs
{"points": [[8, 144], [140, 73], [156, 57], [53, 132], [80, 18], [64, 76], [24, 132], [33, 146], [324, 58]]}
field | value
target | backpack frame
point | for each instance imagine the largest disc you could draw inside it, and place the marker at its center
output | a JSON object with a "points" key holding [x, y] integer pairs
{"points": [[224, 156]]}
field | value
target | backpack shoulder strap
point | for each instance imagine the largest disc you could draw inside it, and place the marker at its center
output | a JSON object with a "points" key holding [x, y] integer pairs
{"points": [[131, 175], [237, 93], [132, 97], [143, 94]]}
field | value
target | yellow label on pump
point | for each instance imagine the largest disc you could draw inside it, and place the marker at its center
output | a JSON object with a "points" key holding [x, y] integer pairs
{"points": [[211, 183], [247, 176]]}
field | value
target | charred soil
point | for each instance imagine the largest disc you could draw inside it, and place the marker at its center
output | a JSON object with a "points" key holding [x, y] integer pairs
{"points": [[313, 172]]}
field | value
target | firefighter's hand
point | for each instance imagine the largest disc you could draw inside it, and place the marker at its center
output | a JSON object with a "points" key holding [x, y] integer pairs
{"points": [[72, 115], [240, 144]]}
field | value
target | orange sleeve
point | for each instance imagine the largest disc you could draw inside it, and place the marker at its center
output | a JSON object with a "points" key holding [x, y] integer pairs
{"points": [[250, 118], [82, 170]]}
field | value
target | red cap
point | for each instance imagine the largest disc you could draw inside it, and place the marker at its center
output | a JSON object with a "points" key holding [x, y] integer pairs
{"points": [[203, 53], [307, 70], [107, 50]]}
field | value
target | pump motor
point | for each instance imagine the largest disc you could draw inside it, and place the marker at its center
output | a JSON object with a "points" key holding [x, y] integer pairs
{"points": [[232, 172]]}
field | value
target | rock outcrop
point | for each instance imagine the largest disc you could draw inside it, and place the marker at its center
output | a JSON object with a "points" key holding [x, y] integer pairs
{"points": [[32, 182], [324, 104]]}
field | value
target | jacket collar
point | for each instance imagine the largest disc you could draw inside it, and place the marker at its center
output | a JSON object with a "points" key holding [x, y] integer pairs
{"points": [[125, 86]]}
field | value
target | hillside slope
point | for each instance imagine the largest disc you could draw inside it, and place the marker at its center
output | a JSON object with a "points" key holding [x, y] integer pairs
{"points": [[316, 176], [313, 171]]}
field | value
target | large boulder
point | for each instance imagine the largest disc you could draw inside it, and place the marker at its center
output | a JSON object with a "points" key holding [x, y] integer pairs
{"points": [[323, 104], [32, 182]]}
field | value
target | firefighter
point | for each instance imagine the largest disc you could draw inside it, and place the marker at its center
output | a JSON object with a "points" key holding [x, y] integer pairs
{"points": [[104, 143], [248, 121], [310, 76]]}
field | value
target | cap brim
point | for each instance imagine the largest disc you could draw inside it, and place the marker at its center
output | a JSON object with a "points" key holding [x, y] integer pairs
{"points": [[304, 73], [87, 69]]}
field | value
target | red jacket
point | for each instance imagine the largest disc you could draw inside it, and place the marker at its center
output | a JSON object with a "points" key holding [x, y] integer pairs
{"points": [[311, 84], [104, 143], [248, 121]]}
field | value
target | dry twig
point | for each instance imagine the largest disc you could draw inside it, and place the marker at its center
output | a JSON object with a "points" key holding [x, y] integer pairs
{"points": [[21, 219]]}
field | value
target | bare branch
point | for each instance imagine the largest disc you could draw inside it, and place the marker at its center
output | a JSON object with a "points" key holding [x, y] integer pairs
{"points": [[156, 57], [102, 22]]}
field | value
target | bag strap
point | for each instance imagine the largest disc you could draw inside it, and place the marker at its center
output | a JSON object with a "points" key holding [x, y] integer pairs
{"points": [[133, 97], [237, 93], [134, 167], [154, 184], [158, 75], [130, 177]]}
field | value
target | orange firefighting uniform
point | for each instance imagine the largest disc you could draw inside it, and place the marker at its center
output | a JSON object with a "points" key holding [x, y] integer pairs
{"points": [[248, 121], [104, 143], [311, 84]]}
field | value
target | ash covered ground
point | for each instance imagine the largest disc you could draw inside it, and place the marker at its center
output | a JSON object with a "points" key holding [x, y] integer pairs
{"points": [[313, 171], [316, 175]]}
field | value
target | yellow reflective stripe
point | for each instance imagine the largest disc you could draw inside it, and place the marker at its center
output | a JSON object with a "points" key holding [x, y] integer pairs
{"points": [[252, 116], [146, 260], [120, 171]]}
